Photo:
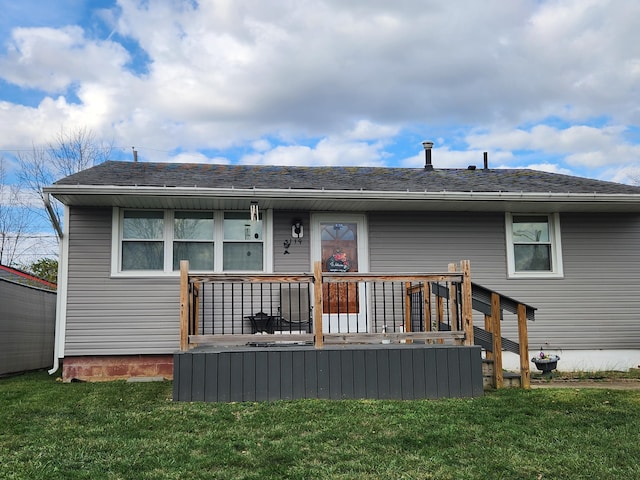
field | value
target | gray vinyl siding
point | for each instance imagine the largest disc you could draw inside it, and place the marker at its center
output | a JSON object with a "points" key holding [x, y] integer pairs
{"points": [[427, 242], [595, 305], [298, 259], [115, 315], [112, 316]]}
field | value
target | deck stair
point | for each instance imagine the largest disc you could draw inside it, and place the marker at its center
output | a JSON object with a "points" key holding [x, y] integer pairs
{"points": [[485, 339], [510, 379], [493, 305]]}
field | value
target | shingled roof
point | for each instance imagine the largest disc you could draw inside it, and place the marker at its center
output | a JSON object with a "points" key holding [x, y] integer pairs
{"points": [[374, 179]]}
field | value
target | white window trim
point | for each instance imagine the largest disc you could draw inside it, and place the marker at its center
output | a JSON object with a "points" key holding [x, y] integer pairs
{"points": [[557, 269], [116, 244]]}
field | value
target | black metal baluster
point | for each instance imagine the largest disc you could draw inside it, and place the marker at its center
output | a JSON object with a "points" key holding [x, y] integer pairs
{"points": [[375, 307], [384, 307], [394, 319], [366, 310], [242, 315]]}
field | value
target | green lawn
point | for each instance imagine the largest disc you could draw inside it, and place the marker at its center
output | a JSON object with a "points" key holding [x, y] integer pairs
{"points": [[50, 430]]}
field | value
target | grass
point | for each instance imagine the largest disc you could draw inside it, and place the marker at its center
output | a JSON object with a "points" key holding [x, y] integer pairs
{"points": [[117, 430]]}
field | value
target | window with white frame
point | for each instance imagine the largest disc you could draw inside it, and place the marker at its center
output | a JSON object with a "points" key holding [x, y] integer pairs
{"points": [[193, 235], [533, 245], [242, 248], [142, 240], [157, 240]]}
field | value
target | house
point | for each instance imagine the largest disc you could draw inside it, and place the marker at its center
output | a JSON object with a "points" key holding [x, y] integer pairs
{"points": [[565, 245], [27, 321]]}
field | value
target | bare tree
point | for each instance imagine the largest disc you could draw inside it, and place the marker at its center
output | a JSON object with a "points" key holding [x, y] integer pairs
{"points": [[35, 173], [69, 152], [14, 219], [73, 151]]}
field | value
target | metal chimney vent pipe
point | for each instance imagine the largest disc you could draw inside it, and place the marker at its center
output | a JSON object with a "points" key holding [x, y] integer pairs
{"points": [[427, 155]]}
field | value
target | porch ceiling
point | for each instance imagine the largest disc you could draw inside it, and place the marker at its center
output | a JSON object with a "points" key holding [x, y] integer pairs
{"points": [[325, 200]]}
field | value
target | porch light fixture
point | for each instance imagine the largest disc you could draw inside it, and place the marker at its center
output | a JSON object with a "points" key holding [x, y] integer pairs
{"points": [[253, 209], [297, 230]]}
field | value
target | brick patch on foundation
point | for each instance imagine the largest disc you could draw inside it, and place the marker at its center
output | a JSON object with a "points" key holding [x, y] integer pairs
{"points": [[119, 367]]}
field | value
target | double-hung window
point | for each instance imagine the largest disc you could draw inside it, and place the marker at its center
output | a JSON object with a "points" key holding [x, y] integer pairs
{"points": [[142, 240], [193, 234], [243, 248], [155, 241], [533, 245]]}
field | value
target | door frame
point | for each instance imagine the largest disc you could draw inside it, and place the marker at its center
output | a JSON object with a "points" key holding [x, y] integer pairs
{"points": [[315, 243]]}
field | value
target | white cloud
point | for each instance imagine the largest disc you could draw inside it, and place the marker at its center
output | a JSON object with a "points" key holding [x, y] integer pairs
{"points": [[580, 145], [35, 246], [629, 175], [550, 167], [367, 130], [196, 157], [328, 151], [261, 145], [274, 77], [12, 196], [53, 59]]}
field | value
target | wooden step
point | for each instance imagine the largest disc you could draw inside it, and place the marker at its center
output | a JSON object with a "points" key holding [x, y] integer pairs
{"points": [[509, 379]]}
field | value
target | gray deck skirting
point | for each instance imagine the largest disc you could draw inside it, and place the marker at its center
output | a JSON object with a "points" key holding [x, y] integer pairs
{"points": [[399, 372]]}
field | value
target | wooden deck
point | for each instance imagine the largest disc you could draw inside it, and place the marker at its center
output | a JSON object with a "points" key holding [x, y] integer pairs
{"points": [[290, 372], [416, 340]]}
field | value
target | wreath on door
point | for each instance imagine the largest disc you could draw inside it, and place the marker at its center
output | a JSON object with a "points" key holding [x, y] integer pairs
{"points": [[338, 262]]}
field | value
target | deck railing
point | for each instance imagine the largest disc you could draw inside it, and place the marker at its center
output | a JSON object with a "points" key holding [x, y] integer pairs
{"points": [[230, 309], [324, 307]]}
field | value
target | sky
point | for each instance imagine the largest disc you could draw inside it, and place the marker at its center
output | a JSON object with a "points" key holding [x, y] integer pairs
{"points": [[551, 85]]}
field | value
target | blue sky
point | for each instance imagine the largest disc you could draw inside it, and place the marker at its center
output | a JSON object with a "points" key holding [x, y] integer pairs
{"points": [[550, 85]]}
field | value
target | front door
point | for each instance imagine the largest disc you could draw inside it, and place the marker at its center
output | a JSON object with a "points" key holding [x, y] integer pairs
{"points": [[340, 245]]}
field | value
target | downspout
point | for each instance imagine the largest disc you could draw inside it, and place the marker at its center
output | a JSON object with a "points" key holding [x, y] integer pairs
{"points": [[61, 294], [52, 215]]}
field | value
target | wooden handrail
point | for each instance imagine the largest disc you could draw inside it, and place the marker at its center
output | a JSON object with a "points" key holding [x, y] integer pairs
{"points": [[318, 306], [467, 303], [191, 283], [497, 340], [388, 277], [253, 278]]}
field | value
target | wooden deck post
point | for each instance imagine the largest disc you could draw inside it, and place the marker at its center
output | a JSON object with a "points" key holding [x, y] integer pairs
{"points": [[427, 307], [498, 380], [184, 305], [523, 340], [467, 302], [317, 305], [453, 299], [407, 307]]}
